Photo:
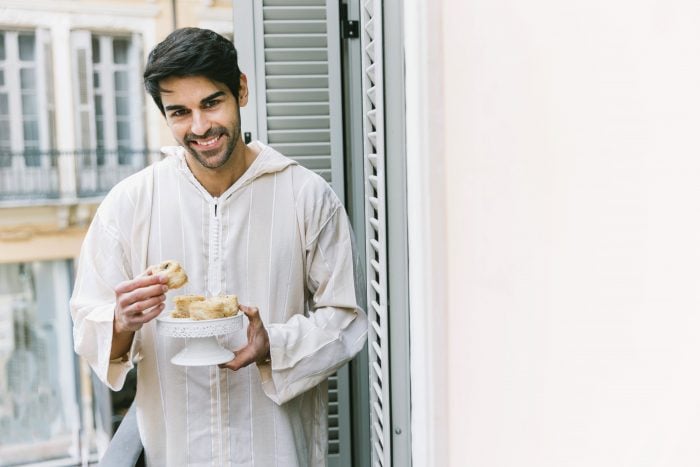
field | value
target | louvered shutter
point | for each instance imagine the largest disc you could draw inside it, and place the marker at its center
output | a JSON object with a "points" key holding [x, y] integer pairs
{"points": [[375, 195], [83, 103], [296, 93], [298, 83]]}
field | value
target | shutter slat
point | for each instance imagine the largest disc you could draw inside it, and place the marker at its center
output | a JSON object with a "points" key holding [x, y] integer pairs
{"points": [[295, 40], [285, 3], [293, 12], [296, 54], [298, 122], [297, 108], [296, 95], [319, 67], [297, 81], [278, 26]]}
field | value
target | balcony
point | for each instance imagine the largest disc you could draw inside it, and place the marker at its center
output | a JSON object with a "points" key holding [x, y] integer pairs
{"points": [[34, 176]]}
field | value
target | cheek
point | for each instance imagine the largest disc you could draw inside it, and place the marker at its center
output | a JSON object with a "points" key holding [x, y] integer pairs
{"points": [[179, 130]]}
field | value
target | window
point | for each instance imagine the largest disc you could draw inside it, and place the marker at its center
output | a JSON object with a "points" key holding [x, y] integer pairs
{"points": [[24, 125], [114, 108], [109, 104], [39, 392]]}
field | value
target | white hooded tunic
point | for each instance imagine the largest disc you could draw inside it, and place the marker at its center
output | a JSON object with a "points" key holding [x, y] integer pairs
{"points": [[279, 239]]}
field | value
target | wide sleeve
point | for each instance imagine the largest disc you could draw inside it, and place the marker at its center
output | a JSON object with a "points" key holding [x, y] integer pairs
{"points": [[309, 347], [102, 264]]}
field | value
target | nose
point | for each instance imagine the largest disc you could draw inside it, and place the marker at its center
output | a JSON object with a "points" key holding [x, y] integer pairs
{"points": [[200, 123]]}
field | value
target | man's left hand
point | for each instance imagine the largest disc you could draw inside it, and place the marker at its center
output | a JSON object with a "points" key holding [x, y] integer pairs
{"points": [[258, 348]]}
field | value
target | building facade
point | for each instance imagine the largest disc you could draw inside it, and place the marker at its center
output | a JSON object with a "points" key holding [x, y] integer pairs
{"points": [[74, 120]]}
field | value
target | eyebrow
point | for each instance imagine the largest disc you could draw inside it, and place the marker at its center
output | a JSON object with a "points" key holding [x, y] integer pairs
{"points": [[206, 99]]}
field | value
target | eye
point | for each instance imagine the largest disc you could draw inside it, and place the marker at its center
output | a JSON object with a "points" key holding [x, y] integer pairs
{"points": [[210, 104], [178, 113]]}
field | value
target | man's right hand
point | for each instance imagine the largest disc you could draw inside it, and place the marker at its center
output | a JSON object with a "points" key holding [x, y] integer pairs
{"points": [[139, 301]]}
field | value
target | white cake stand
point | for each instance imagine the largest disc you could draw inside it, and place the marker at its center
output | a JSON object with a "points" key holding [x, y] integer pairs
{"points": [[202, 348]]}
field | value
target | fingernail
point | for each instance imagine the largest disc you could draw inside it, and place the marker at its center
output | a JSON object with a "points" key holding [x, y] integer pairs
{"points": [[165, 288]]}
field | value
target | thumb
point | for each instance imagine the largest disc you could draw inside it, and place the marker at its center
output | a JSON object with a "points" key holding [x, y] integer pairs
{"points": [[242, 358]]}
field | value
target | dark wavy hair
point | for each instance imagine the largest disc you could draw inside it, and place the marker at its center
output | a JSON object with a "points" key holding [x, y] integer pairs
{"points": [[192, 52]]}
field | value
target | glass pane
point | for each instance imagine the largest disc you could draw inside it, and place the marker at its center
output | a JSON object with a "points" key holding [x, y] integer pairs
{"points": [[98, 105], [121, 81], [96, 80], [2, 46], [124, 156], [122, 106], [26, 46], [31, 132], [4, 132], [27, 79], [38, 392], [95, 50], [99, 126], [120, 49], [4, 104], [123, 131], [29, 104], [2, 76]]}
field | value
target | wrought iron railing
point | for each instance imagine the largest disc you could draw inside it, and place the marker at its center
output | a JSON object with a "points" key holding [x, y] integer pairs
{"points": [[29, 175], [97, 171], [37, 175]]}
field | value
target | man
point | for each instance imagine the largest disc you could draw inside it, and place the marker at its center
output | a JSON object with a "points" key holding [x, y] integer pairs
{"points": [[241, 219]]}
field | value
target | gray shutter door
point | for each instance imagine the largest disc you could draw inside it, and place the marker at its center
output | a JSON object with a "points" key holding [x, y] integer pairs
{"points": [[375, 231], [296, 81]]}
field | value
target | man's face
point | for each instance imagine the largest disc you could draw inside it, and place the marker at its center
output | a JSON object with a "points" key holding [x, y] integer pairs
{"points": [[204, 117]]}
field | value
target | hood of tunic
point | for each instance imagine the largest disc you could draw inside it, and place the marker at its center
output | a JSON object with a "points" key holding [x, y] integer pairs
{"points": [[268, 161]]}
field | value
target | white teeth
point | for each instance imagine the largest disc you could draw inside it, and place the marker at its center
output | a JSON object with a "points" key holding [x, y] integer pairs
{"points": [[208, 142]]}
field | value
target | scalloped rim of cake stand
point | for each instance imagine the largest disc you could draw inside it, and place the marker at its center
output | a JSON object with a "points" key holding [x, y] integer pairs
{"points": [[201, 348], [187, 327]]}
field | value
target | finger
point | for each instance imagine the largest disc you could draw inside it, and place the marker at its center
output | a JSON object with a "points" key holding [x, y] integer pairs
{"points": [[142, 306], [138, 282], [153, 313], [139, 318], [243, 358], [128, 299], [251, 312]]}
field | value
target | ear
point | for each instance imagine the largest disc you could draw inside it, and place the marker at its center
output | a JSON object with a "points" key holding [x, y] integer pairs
{"points": [[243, 91]]}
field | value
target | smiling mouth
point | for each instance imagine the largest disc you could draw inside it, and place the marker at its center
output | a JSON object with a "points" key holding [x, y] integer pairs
{"points": [[206, 143]]}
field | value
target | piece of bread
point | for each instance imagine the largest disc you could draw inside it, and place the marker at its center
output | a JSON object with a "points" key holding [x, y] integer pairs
{"points": [[173, 271], [182, 305], [207, 309], [230, 303]]}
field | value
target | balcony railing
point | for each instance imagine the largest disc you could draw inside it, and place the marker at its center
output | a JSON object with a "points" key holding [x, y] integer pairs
{"points": [[35, 175], [98, 171], [29, 175]]}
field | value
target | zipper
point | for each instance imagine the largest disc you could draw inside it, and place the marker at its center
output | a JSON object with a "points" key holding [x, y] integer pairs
{"points": [[214, 282]]}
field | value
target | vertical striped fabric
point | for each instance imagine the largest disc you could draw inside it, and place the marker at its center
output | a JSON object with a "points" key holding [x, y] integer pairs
{"points": [[279, 239]]}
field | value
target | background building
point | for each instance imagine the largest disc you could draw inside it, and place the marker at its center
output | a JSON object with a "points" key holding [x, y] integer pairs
{"points": [[74, 120]]}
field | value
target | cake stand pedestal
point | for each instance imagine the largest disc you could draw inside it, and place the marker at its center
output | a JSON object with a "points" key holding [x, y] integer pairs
{"points": [[201, 348]]}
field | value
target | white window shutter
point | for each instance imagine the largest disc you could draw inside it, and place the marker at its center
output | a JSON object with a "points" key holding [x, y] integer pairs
{"points": [[45, 88], [375, 211], [138, 126], [81, 43]]}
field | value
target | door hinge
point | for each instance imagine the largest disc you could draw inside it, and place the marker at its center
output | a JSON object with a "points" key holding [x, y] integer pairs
{"points": [[349, 29]]}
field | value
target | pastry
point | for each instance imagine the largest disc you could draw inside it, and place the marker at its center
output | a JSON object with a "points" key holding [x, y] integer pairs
{"points": [[173, 271], [230, 304], [207, 309], [182, 305]]}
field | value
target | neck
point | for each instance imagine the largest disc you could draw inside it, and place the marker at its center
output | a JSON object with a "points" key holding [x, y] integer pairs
{"points": [[217, 181]]}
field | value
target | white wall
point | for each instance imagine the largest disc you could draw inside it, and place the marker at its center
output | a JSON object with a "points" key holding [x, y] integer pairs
{"points": [[572, 231]]}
